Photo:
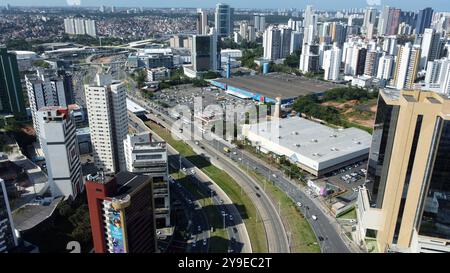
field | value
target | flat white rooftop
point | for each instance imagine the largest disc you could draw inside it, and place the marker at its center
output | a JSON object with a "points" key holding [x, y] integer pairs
{"points": [[134, 107], [309, 143]]}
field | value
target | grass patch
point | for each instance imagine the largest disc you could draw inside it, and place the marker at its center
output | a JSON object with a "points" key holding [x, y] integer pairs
{"points": [[247, 210], [351, 214], [303, 239]]}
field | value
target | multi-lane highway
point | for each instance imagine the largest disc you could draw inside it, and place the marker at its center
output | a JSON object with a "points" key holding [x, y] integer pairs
{"points": [[277, 239], [237, 233]]}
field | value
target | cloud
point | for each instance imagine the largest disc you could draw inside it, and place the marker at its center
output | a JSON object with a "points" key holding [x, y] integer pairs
{"points": [[73, 2], [373, 2]]}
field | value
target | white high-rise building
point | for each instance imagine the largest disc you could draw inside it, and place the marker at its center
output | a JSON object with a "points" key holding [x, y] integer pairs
{"points": [[80, 28], [390, 45], [437, 77], [45, 89], [69, 26], [108, 120], [8, 238], [408, 59], [370, 16], [309, 59], [332, 63], [431, 47], [385, 67], [59, 143], [308, 18], [90, 28], [383, 21], [146, 156], [272, 43]]}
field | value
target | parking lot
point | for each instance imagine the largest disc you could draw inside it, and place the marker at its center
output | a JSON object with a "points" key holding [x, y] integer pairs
{"points": [[350, 177], [185, 94]]}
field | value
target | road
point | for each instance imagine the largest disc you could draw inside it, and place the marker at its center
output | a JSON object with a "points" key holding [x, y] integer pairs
{"points": [[277, 240], [330, 239], [239, 240]]}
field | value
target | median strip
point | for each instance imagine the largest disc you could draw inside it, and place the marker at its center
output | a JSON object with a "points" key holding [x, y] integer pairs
{"points": [[242, 202]]}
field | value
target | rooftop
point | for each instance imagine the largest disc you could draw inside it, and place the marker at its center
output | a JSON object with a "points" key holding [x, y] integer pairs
{"points": [[305, 140], [278, 85], [127, 182]]}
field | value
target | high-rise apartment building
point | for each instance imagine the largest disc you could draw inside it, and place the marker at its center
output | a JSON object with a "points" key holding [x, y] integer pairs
{"points": [[437, 77], [62, 157], [121, 213], [224, 20], [389, 21], [372, 61], [108, 120], [80, 26], [277, 42], [48, 88], [11, 96], [309, 59], [370, 16], [407, 66], [332, 63], [431, 47], [386, 67], [148, 157], [259, 22], [404, 204], [8, 239], [202, 22]]}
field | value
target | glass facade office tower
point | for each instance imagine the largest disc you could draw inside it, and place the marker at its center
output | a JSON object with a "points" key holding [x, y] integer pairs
{"points": [[11, 96], [424, 20], [405, 203], [224, 20]]}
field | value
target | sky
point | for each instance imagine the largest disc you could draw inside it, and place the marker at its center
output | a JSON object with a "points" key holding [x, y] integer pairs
{"points": [[440, 5]]}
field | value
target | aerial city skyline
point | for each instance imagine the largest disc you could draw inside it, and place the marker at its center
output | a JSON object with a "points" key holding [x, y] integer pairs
{"points": [[220, 129], [322, 4]]}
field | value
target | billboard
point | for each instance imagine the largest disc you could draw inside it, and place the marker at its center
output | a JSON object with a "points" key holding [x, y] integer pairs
{"points": [[116, 230]]}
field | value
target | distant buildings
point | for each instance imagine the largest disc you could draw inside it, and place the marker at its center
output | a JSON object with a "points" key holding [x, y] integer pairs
{"points": [[108, 120], [8, 239], [223, 20], [121, 213], [277, 42], [62, 157], [259, 22], [148, 157], [11, 96], [404, 206], [431, 47], [79, 26], [202, 22]]}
